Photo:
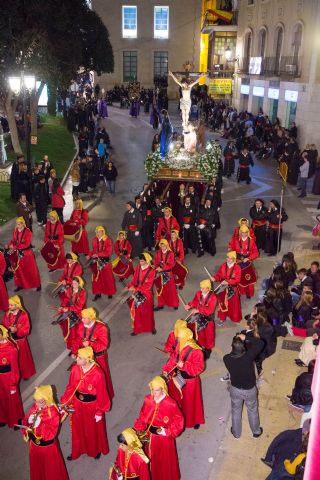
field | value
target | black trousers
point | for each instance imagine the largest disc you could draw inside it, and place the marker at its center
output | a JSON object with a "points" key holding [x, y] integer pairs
{"points": [[41, 212]]}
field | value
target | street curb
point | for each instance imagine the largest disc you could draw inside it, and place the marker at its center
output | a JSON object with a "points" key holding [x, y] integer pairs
{"points": [[75, 156]]}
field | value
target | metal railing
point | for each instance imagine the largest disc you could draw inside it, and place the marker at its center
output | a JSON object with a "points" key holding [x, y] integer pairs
{"points": [[276, 67]]}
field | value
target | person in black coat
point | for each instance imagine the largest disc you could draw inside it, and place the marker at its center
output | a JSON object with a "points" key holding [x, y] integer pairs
{"points": [[229, 154], [245, 160], [259, 214], [314, 273], [206, 227], [24, 182], [285, 445], [275, 223], [303, 310], [301, 393], [41, 200], [110, 174]]}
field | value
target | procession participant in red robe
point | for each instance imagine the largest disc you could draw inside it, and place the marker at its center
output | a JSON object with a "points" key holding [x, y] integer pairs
{"points": [[4, 305], [202, 321], [131, 462], [179, 270], [247, 251], [166, 224], [102, 276], [17, 321], [87, 393], [72, 268], [92, 332], [141, 305], [166, 288], [187, 361], [80, 217], [54, 233], [26, 273], [74, 300], [161, 421], [246, 222], [229, 303], [122, 266], [11, 409], [172, 340], [43, 424]]}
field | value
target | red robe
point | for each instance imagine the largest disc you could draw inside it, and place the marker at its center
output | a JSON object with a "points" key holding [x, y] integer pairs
{"points": [[179, 270], [143, 316], [165, 226], [229, 307], [70, 271], [26, 274], [22, 323], [161, 450], [46, 461], [11, 409], [88, 436], [249, 249], [206, 306], [80, 217], [168, 293], [131, 466], [4, 304], [74, 302], [51, 230], [98, 338], [123, 267], [103, 281], [171, 343], [189, 397]]}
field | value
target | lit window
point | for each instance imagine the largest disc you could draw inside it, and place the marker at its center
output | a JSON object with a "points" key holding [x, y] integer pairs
{"points": [[129, 21], [161, 22], [160, 68]]}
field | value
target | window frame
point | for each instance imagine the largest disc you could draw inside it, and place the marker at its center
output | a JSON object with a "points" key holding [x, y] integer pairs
{"points": [[128, 53], [165, 34], [160, 74], [128, 32]]}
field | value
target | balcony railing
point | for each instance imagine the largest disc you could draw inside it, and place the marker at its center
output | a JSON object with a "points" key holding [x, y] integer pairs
{"points": [[274, 67], [219, 20]]}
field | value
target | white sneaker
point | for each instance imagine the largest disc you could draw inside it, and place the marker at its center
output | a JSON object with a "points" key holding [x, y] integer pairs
{"points": [[225, 378], [289, 328]]}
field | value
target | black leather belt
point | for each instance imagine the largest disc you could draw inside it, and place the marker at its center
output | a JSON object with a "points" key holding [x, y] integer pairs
{"points": [[85, 397], [38, 441], [5, 368], [186, 376], [99, 354]]}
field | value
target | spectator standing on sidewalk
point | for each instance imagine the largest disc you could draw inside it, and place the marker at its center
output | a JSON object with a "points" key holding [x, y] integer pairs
{"points": [[241, 367], [25, 209], [75, 177], [110, 174], [304, 173], [41, 200], [57, 198]]}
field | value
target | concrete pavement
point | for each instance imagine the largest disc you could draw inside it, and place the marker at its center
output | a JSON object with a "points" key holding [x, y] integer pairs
{"points": [[134, 360]]}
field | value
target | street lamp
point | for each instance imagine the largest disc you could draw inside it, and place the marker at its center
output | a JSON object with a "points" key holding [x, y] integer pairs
{"points": [[25, 84]]}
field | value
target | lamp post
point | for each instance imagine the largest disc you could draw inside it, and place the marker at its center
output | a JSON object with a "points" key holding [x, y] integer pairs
{"points": [[24, 84]]}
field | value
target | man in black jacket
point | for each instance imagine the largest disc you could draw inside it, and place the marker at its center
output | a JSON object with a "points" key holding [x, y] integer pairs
{"points": [[241, 367], [41, 200]]}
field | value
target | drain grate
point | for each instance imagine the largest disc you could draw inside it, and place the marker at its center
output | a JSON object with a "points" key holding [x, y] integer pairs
{"points": [[291, 345]]}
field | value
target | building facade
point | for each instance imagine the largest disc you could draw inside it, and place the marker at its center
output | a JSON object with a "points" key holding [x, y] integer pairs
{"points": [[278, 63], [150, 37]]}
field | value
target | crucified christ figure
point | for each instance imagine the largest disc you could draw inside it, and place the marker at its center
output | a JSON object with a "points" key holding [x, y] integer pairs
{"points": [[185, 100]]}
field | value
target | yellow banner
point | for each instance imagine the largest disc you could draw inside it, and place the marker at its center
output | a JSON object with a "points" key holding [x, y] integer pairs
{"points": [[220, 86]]}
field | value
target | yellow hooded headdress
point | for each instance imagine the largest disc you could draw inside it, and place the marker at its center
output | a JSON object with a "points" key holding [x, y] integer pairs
{"points": [[4, 331], [87, 353], [243, 220], [205, 284], [79, 204], [100, 228], [232, 254], [159, 382], [134, 443], [79, 280], [167, 209], [163, 241], [122, 232], [73, 256], [53, 214], [89, 313], [21, 220], [147, 257], [44, 392], [178, 325], [176, 232], [244, 229], [185, 336], [15, 300]]}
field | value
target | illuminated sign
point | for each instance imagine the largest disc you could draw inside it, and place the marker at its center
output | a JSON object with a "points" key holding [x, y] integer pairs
{"points": [[291, 95], [220, 86], [245, 89], [273, 93], [258, 91]]}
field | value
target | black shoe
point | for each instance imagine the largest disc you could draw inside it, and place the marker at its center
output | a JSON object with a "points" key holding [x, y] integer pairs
{"points": [[38, 289], [302, 195], [207, 353], [17, 289], [175, 308], [248, 296], [133, 334], [154, 332], [257, 435], [97, 456], [95, 298], [52, 270], [269, 464], [196, 427], [233, 433], [2, 424], [194, 251], [200, 254], [109, 296], [180, 288], [299, 362], [186, 251], [156, 309], [69, 458]]}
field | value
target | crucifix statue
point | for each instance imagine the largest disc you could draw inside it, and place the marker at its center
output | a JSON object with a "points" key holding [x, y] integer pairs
{"points": [[186, 86]]}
